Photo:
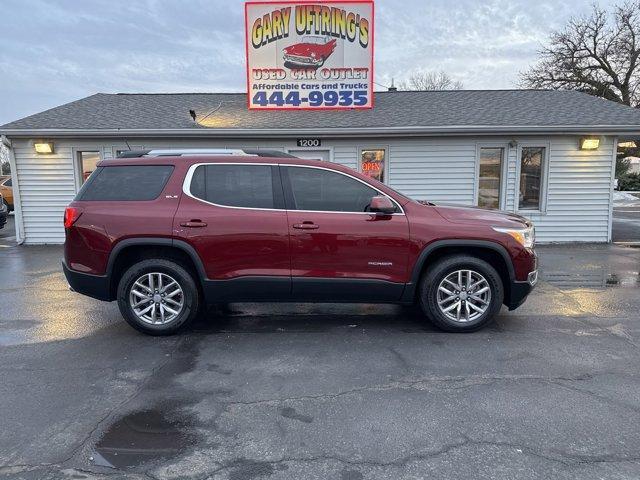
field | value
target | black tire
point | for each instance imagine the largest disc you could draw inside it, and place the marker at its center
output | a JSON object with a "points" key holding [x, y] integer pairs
{"points": [[192, 299], [437, 272]]}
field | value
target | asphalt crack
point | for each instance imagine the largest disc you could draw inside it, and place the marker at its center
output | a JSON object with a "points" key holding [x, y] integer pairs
{"points": [[447, 383]]}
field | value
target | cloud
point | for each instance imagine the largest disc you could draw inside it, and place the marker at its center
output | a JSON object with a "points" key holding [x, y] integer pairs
{"points": [[54, 52]]}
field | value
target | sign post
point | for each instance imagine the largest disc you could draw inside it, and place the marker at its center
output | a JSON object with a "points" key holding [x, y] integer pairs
{"points": [[304, 55]]}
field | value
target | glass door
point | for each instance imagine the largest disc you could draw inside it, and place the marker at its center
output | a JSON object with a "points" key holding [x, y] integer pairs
{"points": [[490, 177]]}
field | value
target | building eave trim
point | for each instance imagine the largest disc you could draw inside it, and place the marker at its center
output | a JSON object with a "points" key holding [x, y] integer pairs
{"points": [[331, 132]]}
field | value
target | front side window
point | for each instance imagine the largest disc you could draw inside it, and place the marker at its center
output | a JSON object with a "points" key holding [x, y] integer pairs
{"points": [[8, 183], [326, 191], [490, 178], [126, 183], [531, 168], [372, 164], [247, 186]]}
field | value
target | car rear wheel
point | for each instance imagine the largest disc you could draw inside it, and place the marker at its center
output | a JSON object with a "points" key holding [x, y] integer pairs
{"points": [[158, 297], [461, 293]]}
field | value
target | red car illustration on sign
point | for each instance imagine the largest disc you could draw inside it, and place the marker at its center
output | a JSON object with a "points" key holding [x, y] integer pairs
{"points": [[311, 52]]}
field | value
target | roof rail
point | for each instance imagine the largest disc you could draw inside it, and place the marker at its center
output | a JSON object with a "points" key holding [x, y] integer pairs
{"points": [[185, 152]]}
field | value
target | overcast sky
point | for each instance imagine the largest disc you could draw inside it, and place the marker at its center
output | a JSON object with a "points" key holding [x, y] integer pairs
{"points": [[53, 52]]}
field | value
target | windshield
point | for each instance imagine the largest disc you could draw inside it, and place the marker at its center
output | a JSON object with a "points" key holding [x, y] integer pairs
{"points": [[313, 39], [400, 194], [403, 195]]}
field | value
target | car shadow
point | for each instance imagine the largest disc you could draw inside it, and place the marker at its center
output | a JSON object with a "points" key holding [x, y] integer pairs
{"points": [[309, 318]]}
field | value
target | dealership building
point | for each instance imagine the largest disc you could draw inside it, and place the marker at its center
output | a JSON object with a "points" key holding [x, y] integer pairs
{"points": [[547, 155]]}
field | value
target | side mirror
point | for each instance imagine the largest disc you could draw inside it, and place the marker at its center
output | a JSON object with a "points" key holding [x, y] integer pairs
{"points": [[382, 204]]}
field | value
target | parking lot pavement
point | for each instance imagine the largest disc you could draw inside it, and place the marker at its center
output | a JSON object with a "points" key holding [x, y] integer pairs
{"points": [[626, 224], [552, 390], [8, 233]]}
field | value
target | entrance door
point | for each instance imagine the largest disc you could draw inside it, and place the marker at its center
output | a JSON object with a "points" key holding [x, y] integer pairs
{"points": [[339, 250], [491, 178], [324, 155]]}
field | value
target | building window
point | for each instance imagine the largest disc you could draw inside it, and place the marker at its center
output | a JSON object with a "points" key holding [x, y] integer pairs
{"points": [[373, 164], [490, 177], [531, 178], [87, 164]]}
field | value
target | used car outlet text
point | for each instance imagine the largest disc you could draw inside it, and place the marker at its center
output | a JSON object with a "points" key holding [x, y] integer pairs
{"points": [[311, 74]]}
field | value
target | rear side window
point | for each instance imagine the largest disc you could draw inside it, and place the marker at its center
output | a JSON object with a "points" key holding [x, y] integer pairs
{"points": [[248, 186], [126, 183]]}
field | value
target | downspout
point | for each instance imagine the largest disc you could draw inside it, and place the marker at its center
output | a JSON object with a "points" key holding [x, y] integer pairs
{"points": [[611, 193], [17, 201]]}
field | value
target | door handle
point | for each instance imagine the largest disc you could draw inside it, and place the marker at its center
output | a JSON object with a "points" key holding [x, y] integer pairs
{"points": [[306, 226], [194, 224]]}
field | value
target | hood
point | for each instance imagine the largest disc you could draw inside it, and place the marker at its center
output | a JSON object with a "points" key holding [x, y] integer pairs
{"points": [[302, 49], [458, 214]]}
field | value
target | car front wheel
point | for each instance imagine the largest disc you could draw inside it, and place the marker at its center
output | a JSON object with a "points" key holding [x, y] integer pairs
{"points": [[461, 293], [158, 297]]}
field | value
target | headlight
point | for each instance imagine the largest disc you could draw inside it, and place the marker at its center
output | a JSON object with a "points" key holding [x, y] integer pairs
{"points": [[524, 236], [313, 55]]}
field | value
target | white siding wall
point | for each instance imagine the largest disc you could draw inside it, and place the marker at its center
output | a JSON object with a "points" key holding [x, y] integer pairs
{"points": [[578, 192], [512, 184], [47, 185], [439, 169]]}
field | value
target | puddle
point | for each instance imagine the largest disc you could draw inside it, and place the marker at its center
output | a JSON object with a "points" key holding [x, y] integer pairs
{"points": [[594, 280], [144, 436]]}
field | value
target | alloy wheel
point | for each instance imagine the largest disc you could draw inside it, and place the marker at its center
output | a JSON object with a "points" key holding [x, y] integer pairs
{"points": [[463, 296], [156, 298]]}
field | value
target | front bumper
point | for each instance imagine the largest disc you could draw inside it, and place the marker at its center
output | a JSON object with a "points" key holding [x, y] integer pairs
{"points": [[94, 286], [520, 290]]}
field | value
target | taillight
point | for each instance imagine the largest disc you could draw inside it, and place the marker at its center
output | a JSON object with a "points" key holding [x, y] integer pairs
{"points": [[71, 214]]}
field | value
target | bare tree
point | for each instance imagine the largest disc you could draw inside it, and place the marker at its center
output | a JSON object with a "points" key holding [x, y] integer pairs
{"points": [[430, 81], [597, 54]]}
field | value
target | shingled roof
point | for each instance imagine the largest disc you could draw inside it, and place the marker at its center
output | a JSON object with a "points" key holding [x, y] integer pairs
{"points": [[465, 111]]}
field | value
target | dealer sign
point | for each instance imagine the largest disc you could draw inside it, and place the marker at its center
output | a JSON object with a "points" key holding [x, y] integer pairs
{"points": [[308, 55]]}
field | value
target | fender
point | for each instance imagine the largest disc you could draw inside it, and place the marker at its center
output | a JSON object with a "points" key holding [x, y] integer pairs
{"points": [[410, 289], [159, 241]]}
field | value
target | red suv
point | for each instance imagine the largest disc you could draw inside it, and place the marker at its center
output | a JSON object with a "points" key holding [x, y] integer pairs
{"points": [[166, 233]]}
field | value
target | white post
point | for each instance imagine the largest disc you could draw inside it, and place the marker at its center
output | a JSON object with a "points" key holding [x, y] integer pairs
{"points": [[17, 203], [612, 178]]}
